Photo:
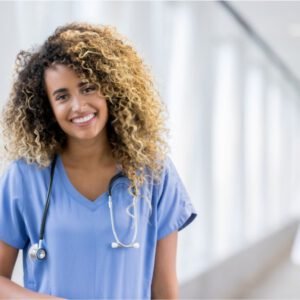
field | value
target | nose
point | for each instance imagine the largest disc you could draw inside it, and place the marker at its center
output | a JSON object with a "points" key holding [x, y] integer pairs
{"points": [[78, 103]]}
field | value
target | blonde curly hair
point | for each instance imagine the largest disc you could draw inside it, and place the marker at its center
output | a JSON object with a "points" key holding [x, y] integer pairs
{"points": [[98, 54]]}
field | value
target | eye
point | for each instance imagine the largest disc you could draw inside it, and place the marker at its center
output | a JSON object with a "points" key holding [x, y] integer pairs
{"points": [[61, 97], [89, 89]]}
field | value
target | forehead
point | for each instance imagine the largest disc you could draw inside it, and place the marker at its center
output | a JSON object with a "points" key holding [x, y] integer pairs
{"points": [[58, 76], [60, 72]]}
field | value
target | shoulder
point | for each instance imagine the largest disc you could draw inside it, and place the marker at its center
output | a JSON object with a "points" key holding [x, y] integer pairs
{"points": [[19, 165], [12, 169], [20, 170], [168, 179], [167, 168], [18, 180]]}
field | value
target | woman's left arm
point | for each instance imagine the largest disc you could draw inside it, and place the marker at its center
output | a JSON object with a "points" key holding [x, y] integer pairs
{"points": [[164, 282]]}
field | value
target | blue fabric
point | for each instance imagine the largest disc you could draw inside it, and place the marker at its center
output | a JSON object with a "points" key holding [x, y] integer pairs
{"points": [[81, 263]]}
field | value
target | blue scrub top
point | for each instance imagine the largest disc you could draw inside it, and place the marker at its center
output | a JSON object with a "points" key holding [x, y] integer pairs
{"points": [[81, 263]]}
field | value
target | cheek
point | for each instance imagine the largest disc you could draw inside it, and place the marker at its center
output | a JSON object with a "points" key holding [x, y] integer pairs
{"points": [[103, 107], [57, 112]]}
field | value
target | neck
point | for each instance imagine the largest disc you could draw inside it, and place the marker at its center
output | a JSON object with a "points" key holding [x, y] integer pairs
{"points": [[87, 154]]}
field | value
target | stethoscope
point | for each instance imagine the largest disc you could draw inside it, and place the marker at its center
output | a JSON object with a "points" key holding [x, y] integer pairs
{"points": [[38, 252]]}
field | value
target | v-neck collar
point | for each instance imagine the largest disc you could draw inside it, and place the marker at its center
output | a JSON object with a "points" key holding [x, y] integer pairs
{"points": [[74, 193]]}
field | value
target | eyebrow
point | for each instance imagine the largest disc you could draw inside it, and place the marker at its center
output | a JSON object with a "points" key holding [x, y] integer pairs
{"points": [[61, 90]]}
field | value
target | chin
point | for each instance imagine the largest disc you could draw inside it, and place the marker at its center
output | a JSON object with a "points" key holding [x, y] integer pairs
{"points": [[85, 137]]}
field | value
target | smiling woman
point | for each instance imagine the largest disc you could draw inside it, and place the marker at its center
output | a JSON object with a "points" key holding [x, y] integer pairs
{"points": [[84, 128]]}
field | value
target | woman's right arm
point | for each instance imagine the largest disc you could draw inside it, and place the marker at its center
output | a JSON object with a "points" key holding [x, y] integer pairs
{"points": [[9, 289]]}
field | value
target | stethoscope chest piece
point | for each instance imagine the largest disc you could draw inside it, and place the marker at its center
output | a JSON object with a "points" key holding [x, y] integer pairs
{"points": [[37, 253]]}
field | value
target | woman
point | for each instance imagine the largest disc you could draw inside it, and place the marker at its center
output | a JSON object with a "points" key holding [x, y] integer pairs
{"points": [[90, 194]]}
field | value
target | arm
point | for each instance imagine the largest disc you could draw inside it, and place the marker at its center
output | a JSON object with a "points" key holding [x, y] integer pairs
{"points": [[9, 289], [164, 282]]}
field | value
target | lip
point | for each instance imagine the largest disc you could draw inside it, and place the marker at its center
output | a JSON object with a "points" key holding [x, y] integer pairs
{"points": [[84, 123]]}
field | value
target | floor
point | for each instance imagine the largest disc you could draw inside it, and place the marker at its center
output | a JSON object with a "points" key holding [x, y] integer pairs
{"points": [[282, 283]]}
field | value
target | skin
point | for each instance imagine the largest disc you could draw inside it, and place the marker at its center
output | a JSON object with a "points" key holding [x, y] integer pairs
{"points": [[87, 155], [164, 282]]}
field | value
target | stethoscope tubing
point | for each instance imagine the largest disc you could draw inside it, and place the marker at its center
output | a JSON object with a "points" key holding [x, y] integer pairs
{"points": [[42, 230], [118, 242]]}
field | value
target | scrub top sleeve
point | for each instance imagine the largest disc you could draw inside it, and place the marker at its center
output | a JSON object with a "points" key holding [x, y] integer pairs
{"points": [[174, 209], [12, 227]]}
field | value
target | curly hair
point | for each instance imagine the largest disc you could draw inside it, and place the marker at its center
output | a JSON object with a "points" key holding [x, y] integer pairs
{"points": [[99, 54]]}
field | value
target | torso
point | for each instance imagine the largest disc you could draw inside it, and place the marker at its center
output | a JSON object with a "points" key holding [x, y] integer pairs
{"points": [[83, 229]]}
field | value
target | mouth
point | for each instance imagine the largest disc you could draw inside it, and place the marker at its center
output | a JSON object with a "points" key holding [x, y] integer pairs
{"points": [[83, 120]]}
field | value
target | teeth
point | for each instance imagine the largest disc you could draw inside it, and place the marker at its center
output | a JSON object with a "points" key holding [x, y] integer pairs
{"points": [[84, 119]]}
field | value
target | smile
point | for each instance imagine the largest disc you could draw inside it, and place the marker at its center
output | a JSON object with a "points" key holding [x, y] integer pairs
{"points": [[84, 119]]}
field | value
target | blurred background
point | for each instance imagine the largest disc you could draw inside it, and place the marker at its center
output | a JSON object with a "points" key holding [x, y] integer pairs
{"points": [[229, 73]]}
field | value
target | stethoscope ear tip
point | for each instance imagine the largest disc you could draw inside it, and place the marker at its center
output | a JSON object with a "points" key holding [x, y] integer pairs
{"points": [[136, 245], [114, 245], [118, 245]]}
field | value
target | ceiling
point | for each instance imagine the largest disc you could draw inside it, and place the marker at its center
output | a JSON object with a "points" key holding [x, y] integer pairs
{"points": [[278, 24]]}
